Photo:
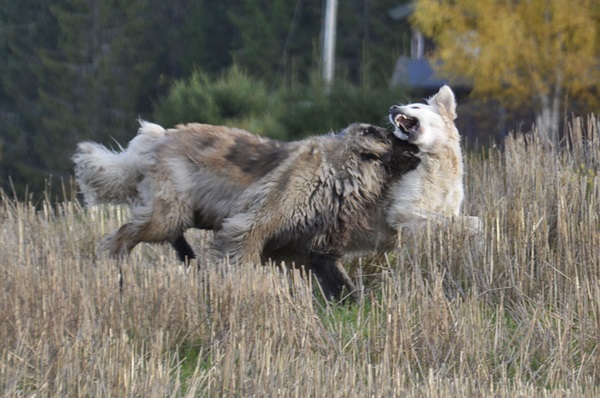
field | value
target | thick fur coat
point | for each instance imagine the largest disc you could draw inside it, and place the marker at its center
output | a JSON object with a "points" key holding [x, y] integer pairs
{"points": [[435, 190], [208, 176], [299, 201], [432, 192]]}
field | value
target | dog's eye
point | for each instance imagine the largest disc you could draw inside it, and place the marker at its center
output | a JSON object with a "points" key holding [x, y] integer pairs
{"points": [[369, 131], [415, 107]]}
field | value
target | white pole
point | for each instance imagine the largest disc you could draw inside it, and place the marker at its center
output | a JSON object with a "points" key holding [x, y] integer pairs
{"points": [[329, 41]]}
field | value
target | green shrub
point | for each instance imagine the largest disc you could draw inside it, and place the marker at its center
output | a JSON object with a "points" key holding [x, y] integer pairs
{"points": [[188, 100], [312, 110], [238, 96], [285, 113], [232, 97]]}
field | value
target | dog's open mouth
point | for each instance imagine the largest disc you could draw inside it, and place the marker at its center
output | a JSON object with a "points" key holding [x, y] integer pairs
{"points": [[407, 124]]}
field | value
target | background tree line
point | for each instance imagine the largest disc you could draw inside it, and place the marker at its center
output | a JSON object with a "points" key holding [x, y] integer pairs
{"points": [[75, 70]]}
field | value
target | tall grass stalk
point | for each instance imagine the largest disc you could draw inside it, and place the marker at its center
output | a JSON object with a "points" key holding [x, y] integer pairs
{"points": [[514, 311]]}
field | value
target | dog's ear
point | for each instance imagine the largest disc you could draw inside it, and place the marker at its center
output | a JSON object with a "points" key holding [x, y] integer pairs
{"points": [[445, 99]]}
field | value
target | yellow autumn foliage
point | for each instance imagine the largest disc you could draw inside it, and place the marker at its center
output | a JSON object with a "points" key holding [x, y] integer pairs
{"points": [[515, 50]]}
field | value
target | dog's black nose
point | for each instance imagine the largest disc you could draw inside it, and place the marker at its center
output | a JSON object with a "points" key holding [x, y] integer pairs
{"points": [[394, 108]]}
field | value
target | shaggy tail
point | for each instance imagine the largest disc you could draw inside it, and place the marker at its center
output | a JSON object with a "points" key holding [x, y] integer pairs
{"points": [[107, 176]]}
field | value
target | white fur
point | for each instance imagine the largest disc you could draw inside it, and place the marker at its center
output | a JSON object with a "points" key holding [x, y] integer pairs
{"points": [[434, 190]]}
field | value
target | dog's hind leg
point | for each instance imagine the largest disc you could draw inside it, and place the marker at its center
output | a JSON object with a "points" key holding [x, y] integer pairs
{"points": [[123, 240], [163, 221], [185, 253]]}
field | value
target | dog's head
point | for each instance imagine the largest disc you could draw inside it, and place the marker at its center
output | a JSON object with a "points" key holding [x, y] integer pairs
{"points": [[370, 142], [427, 125]]}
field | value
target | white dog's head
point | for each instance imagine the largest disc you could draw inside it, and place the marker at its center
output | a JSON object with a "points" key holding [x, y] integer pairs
{"points": [[427, 125]]}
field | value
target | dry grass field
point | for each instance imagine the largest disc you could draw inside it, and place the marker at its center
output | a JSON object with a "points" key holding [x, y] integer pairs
{"points": [[514, 312]]}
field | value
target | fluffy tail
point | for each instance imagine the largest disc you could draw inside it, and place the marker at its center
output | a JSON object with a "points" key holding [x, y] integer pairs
{"points": [[111, 177]]}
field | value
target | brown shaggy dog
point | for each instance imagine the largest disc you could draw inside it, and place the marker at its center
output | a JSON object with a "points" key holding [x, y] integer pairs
{"points": [[297, 201]]}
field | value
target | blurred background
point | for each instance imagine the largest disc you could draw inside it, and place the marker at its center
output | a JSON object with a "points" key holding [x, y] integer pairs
{"points": [[75, 70]]}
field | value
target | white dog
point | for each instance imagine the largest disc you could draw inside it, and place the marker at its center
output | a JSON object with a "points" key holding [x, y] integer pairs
{"points": [[434, 190]]}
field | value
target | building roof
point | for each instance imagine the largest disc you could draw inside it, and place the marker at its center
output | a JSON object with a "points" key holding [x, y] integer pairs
{"points": [[415, 73], [402, 11]]}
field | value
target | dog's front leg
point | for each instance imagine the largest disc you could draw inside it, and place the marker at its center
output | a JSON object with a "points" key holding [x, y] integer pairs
{"points": [[332, 277], [242, 238]]}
